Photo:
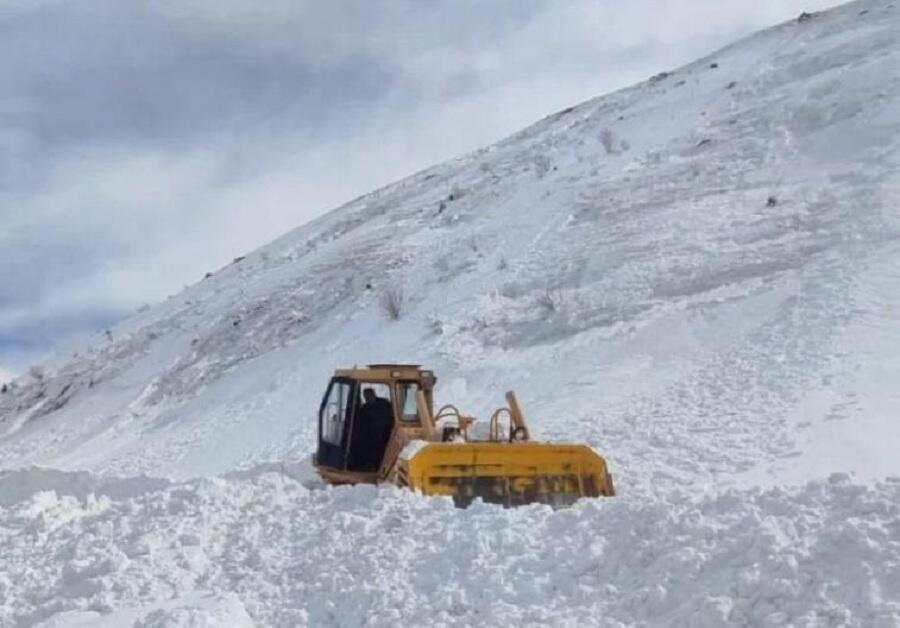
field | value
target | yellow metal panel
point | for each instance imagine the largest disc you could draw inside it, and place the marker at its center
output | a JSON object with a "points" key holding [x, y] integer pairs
{"points": [[508, 473]]}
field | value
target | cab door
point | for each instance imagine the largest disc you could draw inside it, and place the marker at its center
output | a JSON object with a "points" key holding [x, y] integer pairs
{"points": [[335, 419]]}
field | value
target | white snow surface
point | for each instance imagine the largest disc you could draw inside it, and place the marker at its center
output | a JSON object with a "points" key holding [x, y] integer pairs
{"points": [[620, 265], [266, 550]]}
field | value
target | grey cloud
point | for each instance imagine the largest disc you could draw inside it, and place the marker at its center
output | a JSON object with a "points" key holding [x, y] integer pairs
{"points": [[120, 73]]}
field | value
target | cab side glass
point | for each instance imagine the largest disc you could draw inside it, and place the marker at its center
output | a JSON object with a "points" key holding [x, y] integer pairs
{"points": [[407, 402], [334, 413]]}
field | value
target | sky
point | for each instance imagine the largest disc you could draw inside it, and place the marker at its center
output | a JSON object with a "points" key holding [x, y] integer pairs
{"points": [[143, 144]]}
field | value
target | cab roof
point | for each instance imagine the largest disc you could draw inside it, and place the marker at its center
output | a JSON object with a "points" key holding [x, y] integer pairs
{"points": [[385, 373]]}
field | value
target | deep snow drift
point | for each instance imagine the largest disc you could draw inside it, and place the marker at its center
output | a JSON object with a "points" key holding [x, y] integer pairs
{"points": [[267, 549], [699, 276]]}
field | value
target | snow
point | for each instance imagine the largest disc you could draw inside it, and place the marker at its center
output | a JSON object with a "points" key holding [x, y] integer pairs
{"points": [[266, 550], [620, 266], [190, 611], [412, 448]]}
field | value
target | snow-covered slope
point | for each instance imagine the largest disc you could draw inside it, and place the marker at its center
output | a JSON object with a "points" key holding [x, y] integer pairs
{"points": [[699, 275], [618, 263]]}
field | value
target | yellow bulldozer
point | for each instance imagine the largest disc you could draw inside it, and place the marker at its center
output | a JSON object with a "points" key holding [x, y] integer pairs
{"points": [[377, 424]]}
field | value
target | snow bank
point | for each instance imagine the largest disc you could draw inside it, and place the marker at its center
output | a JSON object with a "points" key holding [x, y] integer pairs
{"points": [[266, 550], [19, 484], [190, 611]]}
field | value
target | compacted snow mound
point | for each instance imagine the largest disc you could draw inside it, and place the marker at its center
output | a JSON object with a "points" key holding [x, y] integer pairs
{"points": [[19, 484], [267, 551]]}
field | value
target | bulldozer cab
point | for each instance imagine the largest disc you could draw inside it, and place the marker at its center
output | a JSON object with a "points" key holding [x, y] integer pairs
{"points": [[378, 424], [361, 410]]}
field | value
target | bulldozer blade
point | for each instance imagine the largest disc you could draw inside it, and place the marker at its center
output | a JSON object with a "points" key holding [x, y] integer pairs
{"points": [[511, 474]]}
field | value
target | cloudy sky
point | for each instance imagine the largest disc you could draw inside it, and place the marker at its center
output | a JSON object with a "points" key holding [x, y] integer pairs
{"points": [[144, 143]]}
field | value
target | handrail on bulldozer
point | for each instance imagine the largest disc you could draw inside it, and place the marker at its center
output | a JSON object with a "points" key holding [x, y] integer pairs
{"points": [[494, 432], [448, 410], [462, 421]]}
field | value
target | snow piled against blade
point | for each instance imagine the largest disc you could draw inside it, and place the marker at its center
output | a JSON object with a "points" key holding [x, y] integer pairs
{"points": [[268, 550], [412, 448]]}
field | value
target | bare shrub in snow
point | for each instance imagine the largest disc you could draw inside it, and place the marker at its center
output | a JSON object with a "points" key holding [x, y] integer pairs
{"points": [[436, 325], [502, 263], [608, 140], [456, 193], [542, 165], [551, 299], [510, 290], [479, 323], [486, 168], [37, 373], [392, 302]]}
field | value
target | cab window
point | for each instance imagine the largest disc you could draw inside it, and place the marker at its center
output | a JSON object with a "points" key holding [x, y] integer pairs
{"points": [[334, 412], [407, 401]]}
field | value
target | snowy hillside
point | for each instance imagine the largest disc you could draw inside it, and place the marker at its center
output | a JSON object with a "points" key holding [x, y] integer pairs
{"points": [[698, 275]]}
